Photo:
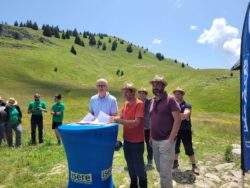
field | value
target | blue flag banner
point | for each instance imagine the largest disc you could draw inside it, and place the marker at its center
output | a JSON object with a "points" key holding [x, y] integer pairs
{"points": [[245, 94], [89, 150]]}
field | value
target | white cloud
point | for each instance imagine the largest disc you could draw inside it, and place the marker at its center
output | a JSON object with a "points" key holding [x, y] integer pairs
{"points": [[222, 35], [157, 41], [233, 46], [194, 27]]}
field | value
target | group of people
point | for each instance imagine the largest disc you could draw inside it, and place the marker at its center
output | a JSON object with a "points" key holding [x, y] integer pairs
{"points": [[11, 119], [162, 122]]}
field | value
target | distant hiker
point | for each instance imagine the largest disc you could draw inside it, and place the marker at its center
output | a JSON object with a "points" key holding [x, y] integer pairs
{"points": [[131, 118], [165, 122], [3, 120], [36, 109], [142, 95], [185, 133], [57, 112], [14, 119], [103, 101]]}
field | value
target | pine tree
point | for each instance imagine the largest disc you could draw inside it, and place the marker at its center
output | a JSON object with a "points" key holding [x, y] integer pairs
{"points": [[85, 35], [75, 33], [21, 24], [35, 26], [72, 50], [99, 43], [182, 65], [92, 40], [114, 45], [67, 35], [109, 40], [47, 31], [129, 48], [63, 35], [104, 47], [16, 23], [77, 40], [140, 55], [56, 33]]}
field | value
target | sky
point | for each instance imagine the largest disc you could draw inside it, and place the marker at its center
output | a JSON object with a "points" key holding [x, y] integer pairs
{"points": [[204, 34]]}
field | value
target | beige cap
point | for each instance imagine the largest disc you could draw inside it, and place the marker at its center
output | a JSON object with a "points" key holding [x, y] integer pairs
{"points": [[158, 78]]}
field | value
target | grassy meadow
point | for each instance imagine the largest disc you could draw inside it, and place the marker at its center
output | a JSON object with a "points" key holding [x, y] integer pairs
{"points": [[27, 67]]}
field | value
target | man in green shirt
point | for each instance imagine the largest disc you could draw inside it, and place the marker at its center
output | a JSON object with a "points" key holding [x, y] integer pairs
{"points": [[57, 115], [36, 109]]}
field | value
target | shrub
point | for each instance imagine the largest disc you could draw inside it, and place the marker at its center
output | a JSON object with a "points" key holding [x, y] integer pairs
{"points": [[114, 45], [129, 48], [139, 55], [159, 56], [72, 50], [228, 156]]}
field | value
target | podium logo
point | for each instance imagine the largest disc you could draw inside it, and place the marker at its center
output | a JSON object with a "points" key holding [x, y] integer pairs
{"points": [[81, 178], [106, 173]]}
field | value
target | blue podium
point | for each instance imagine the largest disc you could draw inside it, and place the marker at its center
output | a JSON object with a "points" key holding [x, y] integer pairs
{"points": [[89, 150]]}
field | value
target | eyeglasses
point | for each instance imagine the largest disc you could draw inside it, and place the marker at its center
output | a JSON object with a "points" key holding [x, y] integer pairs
{"points": [[101, 85]]}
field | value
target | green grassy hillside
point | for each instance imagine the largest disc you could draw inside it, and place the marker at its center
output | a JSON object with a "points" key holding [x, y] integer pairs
{"points": [[27, 66]]}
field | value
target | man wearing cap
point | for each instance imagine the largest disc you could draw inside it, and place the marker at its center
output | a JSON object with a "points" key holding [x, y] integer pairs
{"points": [[185, 133], [142, 95], [36, 108], [131, 118], [165, 123]]}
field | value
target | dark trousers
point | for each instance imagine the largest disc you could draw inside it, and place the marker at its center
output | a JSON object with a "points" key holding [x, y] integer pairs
{"points": [[9, 135], [36, 122], [184, 136], [149, 146], [2, 132], [133, 153]]}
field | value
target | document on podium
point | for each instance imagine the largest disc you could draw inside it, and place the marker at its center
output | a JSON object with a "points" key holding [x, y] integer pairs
{"points": [[87, 119], [102, 118]]}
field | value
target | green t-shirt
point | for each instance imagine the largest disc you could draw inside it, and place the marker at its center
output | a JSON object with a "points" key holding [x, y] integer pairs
{"points": [[58, 107], [13, 116], [34, 107]]}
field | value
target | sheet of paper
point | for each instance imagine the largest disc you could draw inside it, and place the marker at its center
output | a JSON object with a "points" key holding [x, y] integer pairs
{"points": [[103, 118], [88, 118]]}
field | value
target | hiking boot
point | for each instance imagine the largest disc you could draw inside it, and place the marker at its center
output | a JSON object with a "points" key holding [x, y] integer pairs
{"points": [[176, 164], [195, 169]]}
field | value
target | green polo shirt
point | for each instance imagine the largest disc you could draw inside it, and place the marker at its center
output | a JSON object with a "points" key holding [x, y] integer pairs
{"points": [[35, 106], [58, 107], [14, 116]]}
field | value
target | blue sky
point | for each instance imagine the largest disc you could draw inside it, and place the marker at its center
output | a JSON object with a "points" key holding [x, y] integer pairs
{"points": [[205, 34]]}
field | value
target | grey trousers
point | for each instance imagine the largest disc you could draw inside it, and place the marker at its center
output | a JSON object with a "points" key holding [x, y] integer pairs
{"points": [[164, 153], [9, 135]]}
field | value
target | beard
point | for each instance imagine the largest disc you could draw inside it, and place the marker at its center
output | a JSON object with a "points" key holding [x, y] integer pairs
{"points": [[158, 92]]}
